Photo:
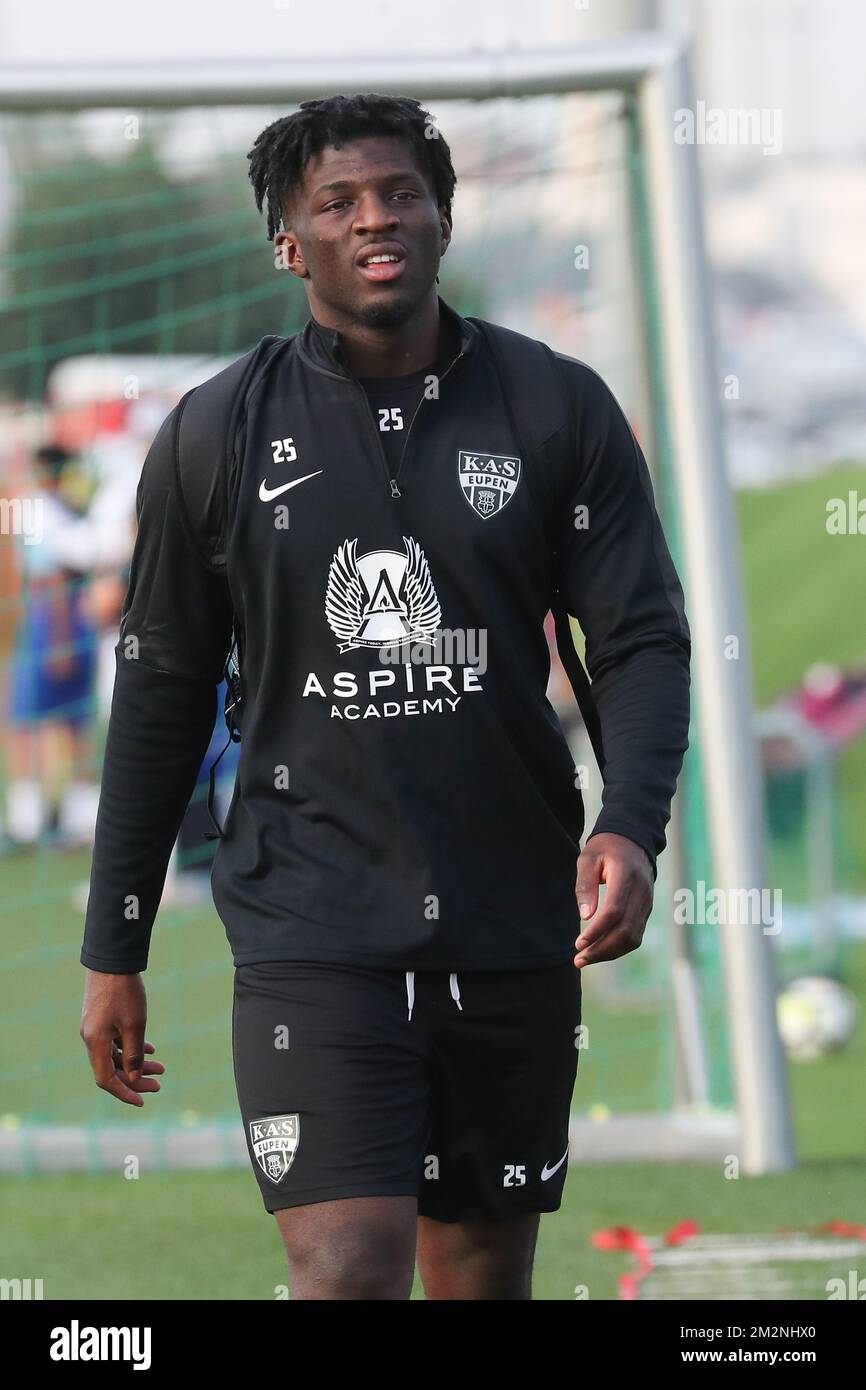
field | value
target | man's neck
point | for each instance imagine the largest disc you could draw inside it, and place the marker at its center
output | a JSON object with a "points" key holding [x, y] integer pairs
{"points": [[372, 351]]}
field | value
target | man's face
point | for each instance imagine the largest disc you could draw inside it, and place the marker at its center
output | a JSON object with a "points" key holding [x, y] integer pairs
{"points": [[368, 198]]}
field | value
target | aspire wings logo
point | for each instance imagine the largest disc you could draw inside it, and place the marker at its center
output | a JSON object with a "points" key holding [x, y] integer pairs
{"points": [[381, 599], [385, 600]]}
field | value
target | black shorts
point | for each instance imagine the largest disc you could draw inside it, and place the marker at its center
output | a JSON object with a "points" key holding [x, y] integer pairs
{"points": [[455, 1088]]}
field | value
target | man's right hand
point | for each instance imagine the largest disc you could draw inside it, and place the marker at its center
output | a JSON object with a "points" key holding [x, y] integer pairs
{"points": [[113, 1019]]}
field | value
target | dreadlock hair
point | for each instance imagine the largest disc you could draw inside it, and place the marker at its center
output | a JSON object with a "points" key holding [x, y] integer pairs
{"points": [[284, 148]]}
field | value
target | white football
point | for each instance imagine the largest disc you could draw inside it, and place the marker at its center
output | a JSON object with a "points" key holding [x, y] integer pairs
{"points": [[816, 1015]]}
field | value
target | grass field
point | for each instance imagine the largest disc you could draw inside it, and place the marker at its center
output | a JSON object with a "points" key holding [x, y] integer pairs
{"points": [[206, 1236]]}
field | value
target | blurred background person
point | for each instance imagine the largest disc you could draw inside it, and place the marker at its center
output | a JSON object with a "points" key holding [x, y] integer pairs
{"points": [[54, 662]]}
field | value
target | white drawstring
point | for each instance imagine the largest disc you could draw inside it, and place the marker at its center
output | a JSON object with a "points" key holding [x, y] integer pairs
{"points": [[455, 990], [410, 991]]}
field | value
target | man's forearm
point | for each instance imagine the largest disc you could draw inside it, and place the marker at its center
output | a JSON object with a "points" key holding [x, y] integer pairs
{"points": [[643, 706], [158, 733]]}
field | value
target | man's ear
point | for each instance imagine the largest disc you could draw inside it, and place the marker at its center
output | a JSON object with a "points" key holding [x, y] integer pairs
{"points": [[446, 227], [288, 254]]}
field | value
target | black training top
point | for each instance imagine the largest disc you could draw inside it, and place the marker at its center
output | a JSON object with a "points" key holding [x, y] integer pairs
{"points": [[405, 796]]}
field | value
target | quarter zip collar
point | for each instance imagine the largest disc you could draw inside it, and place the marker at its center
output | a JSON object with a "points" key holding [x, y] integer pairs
{"points": [[322, 348]]}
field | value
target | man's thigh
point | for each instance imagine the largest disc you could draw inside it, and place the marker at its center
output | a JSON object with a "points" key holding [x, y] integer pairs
{"points": [[477, 1258], [356, 1248]]}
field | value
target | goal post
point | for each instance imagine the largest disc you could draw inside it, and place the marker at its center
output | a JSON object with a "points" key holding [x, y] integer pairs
{"points": [[683, 440]]}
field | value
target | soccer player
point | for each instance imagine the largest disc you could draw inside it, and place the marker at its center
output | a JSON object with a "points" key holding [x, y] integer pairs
{"points": [[383, 507]]}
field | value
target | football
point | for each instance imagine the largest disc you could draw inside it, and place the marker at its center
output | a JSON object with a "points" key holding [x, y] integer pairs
{"points": [[816, 1015]]}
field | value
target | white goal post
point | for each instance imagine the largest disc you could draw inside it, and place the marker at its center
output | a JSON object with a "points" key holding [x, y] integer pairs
{"points": [[654, 71]]}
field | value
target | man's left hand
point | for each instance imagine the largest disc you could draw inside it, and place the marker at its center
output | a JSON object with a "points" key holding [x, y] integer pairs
{"points": [[625, 870]]}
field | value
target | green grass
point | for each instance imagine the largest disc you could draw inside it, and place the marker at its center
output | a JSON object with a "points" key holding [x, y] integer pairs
{"points": [[806, 597], [806, 589], [203, 1235]]}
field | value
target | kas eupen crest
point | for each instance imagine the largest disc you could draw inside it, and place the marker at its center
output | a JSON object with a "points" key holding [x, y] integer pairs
{"points": [[275, 1143], [381, 599], [487, 481]]}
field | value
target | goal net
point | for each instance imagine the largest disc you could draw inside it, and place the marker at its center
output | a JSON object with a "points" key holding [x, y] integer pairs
{"points": [[134, 264]]}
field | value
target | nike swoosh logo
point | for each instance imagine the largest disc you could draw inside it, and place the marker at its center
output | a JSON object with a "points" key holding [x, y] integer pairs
{"points": [[549, 1172], [266, 493]]}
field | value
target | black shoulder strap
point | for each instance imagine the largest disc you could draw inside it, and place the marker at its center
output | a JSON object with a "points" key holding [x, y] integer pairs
{"points": [[209, 416], [503, 344]]}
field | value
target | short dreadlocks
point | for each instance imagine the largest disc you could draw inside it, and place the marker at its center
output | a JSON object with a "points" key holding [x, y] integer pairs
{"points": [[284, 148]]}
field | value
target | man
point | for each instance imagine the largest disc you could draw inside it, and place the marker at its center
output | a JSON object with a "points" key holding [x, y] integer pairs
{"points": [[396, 874]]}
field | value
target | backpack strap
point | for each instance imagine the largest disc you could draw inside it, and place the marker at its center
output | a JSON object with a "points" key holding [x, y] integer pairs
{"points": [[209, 418], [509, 352]]}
